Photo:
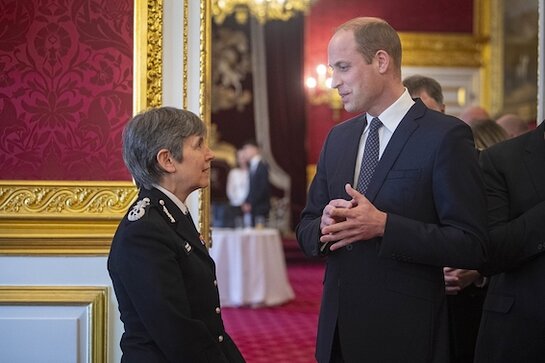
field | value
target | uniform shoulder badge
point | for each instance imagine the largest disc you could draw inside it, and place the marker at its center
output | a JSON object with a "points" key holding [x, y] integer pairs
{"points": [[138, 210]]}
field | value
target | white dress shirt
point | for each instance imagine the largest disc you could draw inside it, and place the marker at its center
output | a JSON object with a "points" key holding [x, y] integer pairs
{"points": [[390, 118]]}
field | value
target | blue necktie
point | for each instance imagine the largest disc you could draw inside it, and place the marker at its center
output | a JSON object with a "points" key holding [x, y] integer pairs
{"points": [[370, 156]]}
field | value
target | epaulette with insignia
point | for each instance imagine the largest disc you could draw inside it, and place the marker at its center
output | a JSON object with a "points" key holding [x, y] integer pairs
{"points": [[138, 210], [165, 210]]}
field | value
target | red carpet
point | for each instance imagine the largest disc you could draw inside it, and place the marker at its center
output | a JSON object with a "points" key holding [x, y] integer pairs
{"points": [[285, 333]]}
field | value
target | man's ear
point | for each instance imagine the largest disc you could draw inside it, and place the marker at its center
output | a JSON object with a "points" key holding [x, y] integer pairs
{"points": [[383, 60], [166, 160]]}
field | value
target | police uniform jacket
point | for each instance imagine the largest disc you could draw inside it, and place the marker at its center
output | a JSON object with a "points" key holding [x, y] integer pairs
{"points": [[165, 285]]}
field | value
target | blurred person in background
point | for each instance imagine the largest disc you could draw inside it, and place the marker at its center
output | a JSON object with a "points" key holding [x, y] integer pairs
{"points": [[487, 133], [473, 113], [513, 124], [238, 186], [513, 322], [257, 203], [427, 89]]}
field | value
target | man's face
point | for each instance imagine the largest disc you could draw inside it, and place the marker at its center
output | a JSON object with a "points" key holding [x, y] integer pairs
{"points": [[430, 102], [357, 82]]}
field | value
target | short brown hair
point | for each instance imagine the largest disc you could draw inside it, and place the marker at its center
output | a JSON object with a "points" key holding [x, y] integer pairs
{"points": [[372, 35]]}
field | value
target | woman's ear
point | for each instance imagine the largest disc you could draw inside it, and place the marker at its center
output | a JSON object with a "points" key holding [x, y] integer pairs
{"points": [[166, 161]]}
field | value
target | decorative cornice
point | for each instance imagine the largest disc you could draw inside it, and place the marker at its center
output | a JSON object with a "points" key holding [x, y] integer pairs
{"points": [[53, 199], [61, 217]]}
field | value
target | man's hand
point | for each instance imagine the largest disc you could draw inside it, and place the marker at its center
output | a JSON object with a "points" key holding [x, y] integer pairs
{"points": [[458, 279], [327, 218], [351, 221]]}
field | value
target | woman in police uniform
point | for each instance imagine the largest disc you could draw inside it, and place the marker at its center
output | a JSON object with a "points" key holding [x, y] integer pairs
{"points": [[163, 277]]}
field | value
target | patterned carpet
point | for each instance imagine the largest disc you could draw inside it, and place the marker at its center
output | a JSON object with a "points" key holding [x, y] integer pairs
{"points": [[285, 333]]}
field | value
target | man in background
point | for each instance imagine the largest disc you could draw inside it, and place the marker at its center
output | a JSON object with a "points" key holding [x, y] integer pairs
{"points": [[513, 124], [513, 322], [464, 288], [427, 89], [257, 203], [473, 113]]}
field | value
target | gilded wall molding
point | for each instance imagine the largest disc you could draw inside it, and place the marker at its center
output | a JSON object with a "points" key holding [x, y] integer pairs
{"points": [[61, 217], [95, 298], [154, 77], [205, 92], [442, 50]]}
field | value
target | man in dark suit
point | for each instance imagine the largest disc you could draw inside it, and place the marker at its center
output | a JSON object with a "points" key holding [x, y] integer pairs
{"points": [[465, 288], [163, 277], [258, 201], [513, 323], [423, 208]]}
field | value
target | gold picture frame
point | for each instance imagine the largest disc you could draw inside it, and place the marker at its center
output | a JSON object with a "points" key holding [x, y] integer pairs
{"points": [[96, 298], [80, 217]]}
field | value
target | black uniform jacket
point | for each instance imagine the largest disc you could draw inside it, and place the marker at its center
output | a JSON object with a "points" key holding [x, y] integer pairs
{"points": [[165, 285]]}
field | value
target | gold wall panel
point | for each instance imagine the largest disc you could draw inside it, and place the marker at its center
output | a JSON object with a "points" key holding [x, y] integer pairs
{"points": [[96, 298], [442, 50]]}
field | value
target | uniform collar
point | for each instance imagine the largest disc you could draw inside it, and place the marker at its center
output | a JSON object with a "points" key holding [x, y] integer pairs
{"points": [[174, 199]]}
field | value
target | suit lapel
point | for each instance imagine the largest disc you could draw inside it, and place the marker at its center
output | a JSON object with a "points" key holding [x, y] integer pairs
{"points": [[398, 140], [534, 159]]}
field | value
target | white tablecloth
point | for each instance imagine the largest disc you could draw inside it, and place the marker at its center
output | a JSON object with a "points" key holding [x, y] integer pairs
{"points": [[250, 267]]}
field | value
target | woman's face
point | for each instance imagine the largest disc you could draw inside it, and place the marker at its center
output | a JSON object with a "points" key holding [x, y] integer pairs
{"points": [[194, 170]]}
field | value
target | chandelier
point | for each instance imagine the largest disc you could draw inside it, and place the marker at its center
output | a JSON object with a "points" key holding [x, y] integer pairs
{"points": [[262, 10]]}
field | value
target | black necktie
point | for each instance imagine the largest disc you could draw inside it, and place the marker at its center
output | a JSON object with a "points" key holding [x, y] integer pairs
{"points": [[370, 156]]}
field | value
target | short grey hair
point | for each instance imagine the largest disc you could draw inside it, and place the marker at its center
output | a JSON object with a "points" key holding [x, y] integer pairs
{"points": [[149, 132]]}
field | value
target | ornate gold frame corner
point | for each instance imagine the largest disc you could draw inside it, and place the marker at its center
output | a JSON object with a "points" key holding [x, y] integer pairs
{"points": [[96, 298], [79, 217]]}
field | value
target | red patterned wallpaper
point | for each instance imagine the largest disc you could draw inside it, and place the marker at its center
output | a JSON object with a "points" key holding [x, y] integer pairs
{"points": [[407, 16], [65, 88]]}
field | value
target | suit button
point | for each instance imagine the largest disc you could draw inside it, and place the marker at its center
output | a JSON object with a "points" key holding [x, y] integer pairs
{"points": [[218, 310], [349, 247], [215, 282], [539, 246], [220, 338]]}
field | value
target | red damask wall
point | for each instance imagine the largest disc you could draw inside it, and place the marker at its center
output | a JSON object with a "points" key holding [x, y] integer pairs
{"points": [[66, 75], [444, 16]]}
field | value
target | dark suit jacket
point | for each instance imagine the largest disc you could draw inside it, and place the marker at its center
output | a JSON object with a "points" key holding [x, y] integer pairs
{"points": [[513, 322], [259, 193], [165, 285], [387, 295]]}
